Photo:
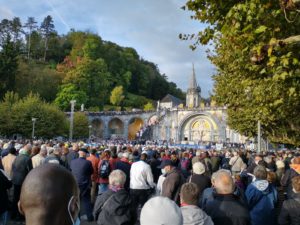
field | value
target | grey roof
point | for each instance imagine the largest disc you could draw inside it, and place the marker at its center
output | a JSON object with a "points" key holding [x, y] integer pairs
{"points": [[171, 98]]}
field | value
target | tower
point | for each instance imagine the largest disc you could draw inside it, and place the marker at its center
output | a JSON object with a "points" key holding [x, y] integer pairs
{"points": [[193, 94]]}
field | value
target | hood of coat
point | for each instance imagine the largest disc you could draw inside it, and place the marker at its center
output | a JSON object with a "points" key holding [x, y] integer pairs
{"points": [[193, 215], [261, 185]]}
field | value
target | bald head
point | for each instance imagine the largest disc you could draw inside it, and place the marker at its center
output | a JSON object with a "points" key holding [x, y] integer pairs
{"points": [[223, 182], [46, 193]]}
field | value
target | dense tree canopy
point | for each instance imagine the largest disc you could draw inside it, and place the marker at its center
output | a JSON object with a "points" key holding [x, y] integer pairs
{"points": [[35, 58], [257, 59]]}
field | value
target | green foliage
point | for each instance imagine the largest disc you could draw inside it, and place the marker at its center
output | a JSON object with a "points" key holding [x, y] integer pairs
{"points": [[91, 76], [37, 78], [117, 96], [149, 107], [67, 93], [81, 125], [257, 78], [135, 101], [18, 113]]}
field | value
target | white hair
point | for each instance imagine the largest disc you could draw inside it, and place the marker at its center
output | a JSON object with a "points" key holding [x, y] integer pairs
{"points": [[223, 182], [117, 178]]}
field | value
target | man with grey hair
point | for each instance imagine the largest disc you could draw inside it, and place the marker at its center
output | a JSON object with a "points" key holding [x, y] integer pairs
{"points": [[115, 207], [39, 159], [226, 208]]}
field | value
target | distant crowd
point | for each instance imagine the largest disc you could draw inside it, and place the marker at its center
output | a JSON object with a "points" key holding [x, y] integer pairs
{"points": [[123, 183]]}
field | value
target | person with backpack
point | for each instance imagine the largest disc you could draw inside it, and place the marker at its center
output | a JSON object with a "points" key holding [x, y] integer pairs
{"points": [[105, 167]]}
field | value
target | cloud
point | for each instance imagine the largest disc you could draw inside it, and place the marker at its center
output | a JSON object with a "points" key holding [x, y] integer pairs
{"points": [[151, 27]]}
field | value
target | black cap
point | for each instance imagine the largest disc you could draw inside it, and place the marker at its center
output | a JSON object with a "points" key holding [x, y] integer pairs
{"points": [[166, 162], [84, 150]]}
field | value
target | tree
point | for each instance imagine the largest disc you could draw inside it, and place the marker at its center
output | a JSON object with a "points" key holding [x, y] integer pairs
{"points": [[149, 107], [8, 66], [31, 26], [67, 93], [117, 96], [91, 77], [50, 120], [81, 125], [47, 28], [257, 73]]}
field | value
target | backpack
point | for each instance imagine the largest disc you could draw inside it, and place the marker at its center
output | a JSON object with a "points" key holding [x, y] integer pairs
{"points": [[104, 169], [184, 164]]}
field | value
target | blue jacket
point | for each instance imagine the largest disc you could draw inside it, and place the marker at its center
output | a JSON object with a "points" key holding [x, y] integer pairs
{"points": [[82, 170], [261, 199]]}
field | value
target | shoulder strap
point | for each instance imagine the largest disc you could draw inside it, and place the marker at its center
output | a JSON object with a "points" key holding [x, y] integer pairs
{"points": [[106, 201], [190, 180], [235, 161]]}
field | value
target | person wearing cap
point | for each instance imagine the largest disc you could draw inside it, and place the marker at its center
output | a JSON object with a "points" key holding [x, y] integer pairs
{"points": [[199, 178], [82, 170], [161, 210], [172, 183], [95, 161], [125, 166]]}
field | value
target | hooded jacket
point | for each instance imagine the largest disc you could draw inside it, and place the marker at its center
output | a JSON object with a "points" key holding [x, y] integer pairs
{"points": [[114, 208], [193, 215], [261, 198]]}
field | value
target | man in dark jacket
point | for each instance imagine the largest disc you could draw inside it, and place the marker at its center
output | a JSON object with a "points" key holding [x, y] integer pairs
{"points": [[73, 154], [5, 184], [82, 170], [173, 182], [115, 207], [20, 168], [294, 171], [125, 166], [290, 213], [226, 208]]}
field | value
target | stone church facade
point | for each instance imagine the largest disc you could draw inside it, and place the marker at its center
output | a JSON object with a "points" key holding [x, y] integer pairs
{"points": [[171, 121]]}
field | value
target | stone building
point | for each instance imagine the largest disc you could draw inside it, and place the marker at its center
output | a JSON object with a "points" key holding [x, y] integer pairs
{"points": [[193, 124]]}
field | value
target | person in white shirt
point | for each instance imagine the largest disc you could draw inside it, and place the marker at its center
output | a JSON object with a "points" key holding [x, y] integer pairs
{"points": [[38, 159], [141, 181]]}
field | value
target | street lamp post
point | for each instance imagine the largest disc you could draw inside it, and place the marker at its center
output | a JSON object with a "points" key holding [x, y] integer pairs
{"points": [[258, 136], [90, 132], [33, 127], [72, 119]]}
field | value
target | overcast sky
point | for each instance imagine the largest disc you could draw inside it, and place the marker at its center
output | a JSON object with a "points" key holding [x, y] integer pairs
{"points": [[149, 26]]}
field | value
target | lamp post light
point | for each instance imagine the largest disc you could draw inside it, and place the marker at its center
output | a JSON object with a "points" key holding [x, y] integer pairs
{"points": [[72, 119], [33, 127], [90, 133]]}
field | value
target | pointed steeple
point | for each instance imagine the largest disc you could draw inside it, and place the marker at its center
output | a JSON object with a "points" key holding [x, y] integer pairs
{"points": [[193, 82]]}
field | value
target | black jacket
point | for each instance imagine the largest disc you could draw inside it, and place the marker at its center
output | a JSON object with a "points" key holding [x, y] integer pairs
{"points": [[20, 168], [286, 181], [202, 181], [227, 210], [290, 213], [125, 167], [172, 185], [114, 208], [5, 184]]}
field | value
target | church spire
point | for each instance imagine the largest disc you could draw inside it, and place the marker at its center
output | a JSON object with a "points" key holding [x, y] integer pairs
{"points": [[193, 82]]}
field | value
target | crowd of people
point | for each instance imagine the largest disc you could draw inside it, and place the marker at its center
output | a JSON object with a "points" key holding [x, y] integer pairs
{"points": [[115, 183]]}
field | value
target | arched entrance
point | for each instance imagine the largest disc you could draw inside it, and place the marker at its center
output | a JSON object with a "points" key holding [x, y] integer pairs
{"points": [[116, 128], [135, 125], [97, 128], [199, 128]]}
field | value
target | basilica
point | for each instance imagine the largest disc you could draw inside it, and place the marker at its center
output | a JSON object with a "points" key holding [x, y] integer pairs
{"points": [[173, 121]]}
